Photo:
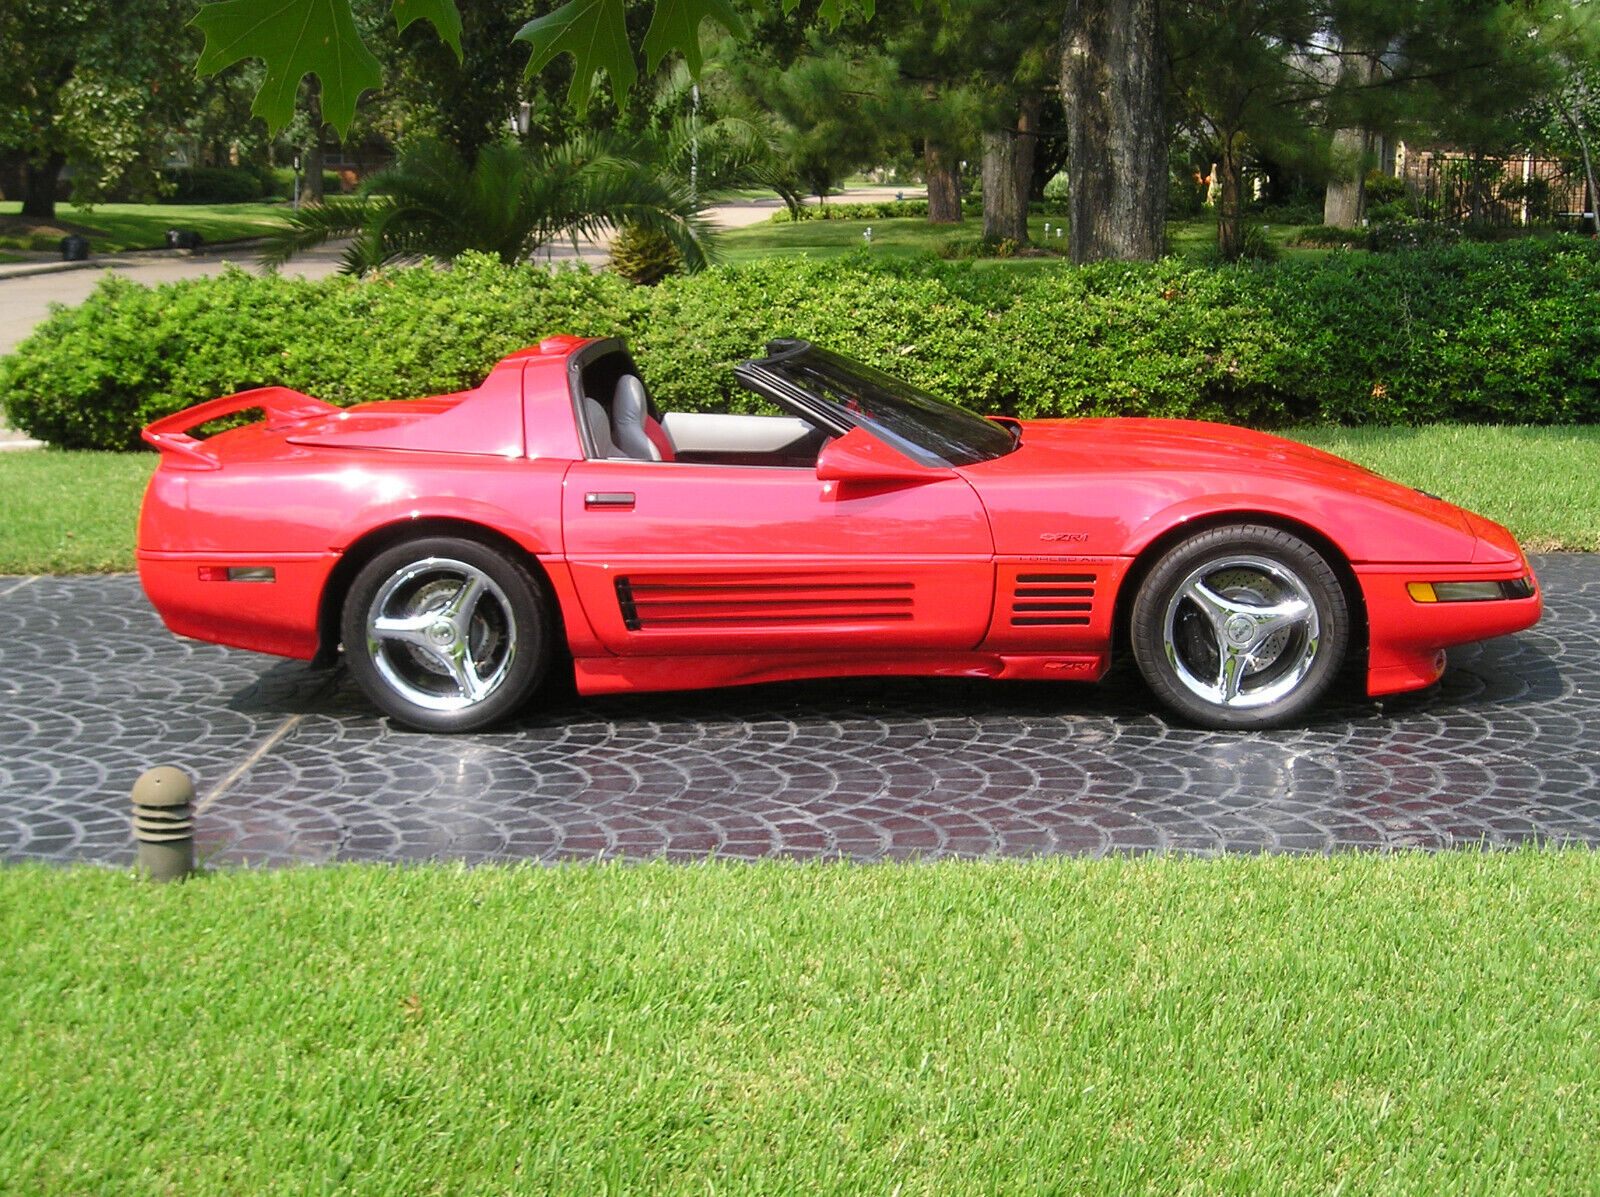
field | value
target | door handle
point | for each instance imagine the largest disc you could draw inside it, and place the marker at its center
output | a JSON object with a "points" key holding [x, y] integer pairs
{"points": [[608, 498]]}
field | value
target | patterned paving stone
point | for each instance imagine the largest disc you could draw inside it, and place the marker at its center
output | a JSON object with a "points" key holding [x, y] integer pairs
{"points": [[93, 692]]}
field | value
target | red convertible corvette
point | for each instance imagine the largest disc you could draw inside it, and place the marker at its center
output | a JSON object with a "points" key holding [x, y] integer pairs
{"points": [[465, 547]]}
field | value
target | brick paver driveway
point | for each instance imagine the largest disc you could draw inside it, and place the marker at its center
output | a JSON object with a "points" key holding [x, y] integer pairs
{"points": [[293, 765]]}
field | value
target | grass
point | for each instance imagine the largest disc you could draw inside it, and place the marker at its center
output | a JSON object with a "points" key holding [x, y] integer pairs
{"points": [[1542, 483], [69, 512], [76, 512], [1396, 1024], [899, 238], [115, 227], [913, 236]]}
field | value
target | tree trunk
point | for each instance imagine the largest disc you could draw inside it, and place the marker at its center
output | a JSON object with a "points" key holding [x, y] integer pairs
{"points": [[1027, 151], [1004, 208], [1574, 118], [313, 193], [39, 186], [1345, 198], [1113, 88], [944, 187], [1230, 171]]}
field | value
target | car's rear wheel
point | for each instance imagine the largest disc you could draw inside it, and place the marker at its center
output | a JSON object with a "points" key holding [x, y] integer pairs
{"points": [[1241, 627], [446, 634]]}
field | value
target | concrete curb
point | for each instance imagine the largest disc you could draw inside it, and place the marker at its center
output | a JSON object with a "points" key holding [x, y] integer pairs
{"points": [[127, 258]]}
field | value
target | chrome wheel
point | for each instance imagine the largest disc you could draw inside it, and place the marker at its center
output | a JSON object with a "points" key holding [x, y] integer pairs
{"points": [[441, 633], [1240, 627], [1241, 632], [447, 634]]}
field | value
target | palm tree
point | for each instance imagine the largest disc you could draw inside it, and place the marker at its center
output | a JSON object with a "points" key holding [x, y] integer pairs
{"points": [[509, 203]]}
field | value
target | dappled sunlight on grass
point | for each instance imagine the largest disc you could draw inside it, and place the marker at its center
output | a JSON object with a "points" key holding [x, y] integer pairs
{"points": [[114, 227]]}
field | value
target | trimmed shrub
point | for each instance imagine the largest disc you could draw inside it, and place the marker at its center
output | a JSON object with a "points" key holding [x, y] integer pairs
{"points": [[213, 185], [927, 321], [92, 376], [883, 210], [1472, 332]]}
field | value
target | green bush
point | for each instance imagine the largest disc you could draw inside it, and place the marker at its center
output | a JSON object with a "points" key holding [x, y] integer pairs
{"points": [[1403, 233], [91, 376], [1382, 188], [961, 248], [1328, 236], [884, 210], [213, 185], [1471, 332]]}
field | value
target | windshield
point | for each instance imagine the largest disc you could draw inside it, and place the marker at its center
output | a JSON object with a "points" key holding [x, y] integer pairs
{"points": [[924, 428]]}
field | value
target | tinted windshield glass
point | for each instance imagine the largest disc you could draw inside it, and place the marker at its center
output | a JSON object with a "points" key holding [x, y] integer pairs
{"points": [[926, 429]]}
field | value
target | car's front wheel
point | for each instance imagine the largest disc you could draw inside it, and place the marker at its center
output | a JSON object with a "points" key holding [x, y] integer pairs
{"points": [[446, 634], [1241, 627]]}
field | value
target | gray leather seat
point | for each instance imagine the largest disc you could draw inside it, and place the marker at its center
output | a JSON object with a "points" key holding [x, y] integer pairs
{"points": [[600, 428], [629, 411]]}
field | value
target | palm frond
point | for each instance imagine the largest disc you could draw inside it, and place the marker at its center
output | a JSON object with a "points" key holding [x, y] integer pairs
{"points": [[315, 225]]}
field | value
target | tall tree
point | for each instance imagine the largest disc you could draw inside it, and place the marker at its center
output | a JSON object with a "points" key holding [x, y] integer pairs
{"points": [[1566, 116], [821, 102], [1242, 78], [1113, 86], [100, 84]]}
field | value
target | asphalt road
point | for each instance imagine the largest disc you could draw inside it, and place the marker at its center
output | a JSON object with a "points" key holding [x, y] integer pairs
{"points": [[294, 766]]}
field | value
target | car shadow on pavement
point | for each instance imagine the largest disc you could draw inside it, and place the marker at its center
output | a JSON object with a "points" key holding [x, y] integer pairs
{"points": [[1510, 670]]}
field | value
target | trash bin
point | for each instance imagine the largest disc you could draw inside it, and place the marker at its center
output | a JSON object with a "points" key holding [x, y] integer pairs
{"points": [[74, 248], [183, 239]]}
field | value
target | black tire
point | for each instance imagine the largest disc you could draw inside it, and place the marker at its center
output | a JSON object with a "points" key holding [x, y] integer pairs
{"points": [[445, 634], [1241, 627]]}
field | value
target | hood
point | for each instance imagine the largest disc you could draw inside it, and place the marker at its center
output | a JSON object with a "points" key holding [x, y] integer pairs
{"points": [[1110, 486], [1131, 445]]}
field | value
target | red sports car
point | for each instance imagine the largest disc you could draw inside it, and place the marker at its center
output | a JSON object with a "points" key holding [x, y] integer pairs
{"points": [[463, 548]]}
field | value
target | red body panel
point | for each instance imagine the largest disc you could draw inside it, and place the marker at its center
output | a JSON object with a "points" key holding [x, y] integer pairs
{"points": [[745, 559], [678, 574]]}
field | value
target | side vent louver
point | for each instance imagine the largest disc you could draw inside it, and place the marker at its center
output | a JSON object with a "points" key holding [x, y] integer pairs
{"points": [[1052, 600], [666, 601]]}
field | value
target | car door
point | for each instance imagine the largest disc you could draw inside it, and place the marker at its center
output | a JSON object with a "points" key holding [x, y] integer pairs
{"points": [[675, 558]]}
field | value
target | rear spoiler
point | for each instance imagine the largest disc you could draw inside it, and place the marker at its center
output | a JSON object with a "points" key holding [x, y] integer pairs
{"points": [[283, 406]]}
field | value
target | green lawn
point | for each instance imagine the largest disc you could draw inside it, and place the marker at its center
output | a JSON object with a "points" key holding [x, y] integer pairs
{"points": [[65, 513], [1359, 1024], [904, 237], [113, 227], [77, 512], [912, 236], [1542, 483]]}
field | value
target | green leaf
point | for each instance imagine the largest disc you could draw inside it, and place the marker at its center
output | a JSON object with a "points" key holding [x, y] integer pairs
{"points": [[675, 25], [834, 11], [443, 13], [293, 38], [595, 33]]}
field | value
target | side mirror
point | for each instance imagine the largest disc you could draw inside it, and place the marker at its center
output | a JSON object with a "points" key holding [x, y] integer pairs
{"points": [[858, 456]]}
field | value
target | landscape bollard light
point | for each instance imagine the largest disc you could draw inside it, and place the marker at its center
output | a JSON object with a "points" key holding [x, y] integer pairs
{"points": [[868, 235], [163, 823]]}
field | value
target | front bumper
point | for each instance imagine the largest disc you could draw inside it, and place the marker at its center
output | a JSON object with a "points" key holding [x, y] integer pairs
{"points": [[1407, 638]]}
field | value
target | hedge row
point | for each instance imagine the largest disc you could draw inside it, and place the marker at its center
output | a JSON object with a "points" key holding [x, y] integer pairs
{"points": [[1494, 333]]}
